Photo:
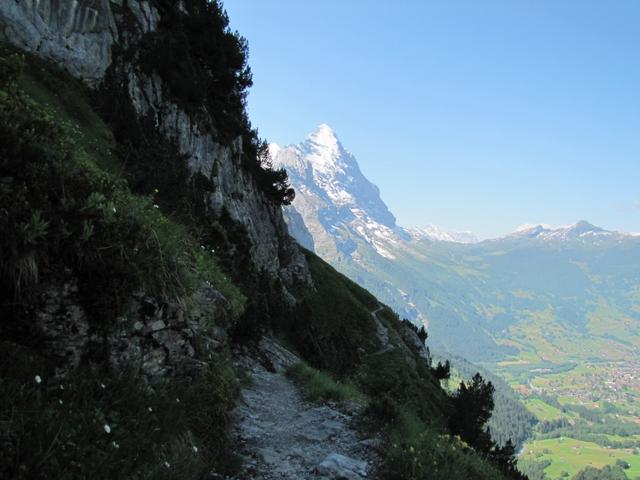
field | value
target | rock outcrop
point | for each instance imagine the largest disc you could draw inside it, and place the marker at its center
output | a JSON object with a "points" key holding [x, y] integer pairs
{"points": [[76, 34], [341, 466], [158, 340], [234, 189], [418, 347]]}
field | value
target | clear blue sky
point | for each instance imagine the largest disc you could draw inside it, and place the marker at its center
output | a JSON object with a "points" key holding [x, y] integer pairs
{"points": [[479, 115]]}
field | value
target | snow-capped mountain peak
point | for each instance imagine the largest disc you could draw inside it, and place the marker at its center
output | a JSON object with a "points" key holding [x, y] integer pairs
{"points": [[433, 232], [274, 148], [341, 209], [325, 154], [324, 136], [321, 165], [583, 227], [578, 231], [339, 205]]}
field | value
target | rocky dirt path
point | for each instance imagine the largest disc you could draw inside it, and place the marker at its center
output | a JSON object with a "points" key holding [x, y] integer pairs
{"points": [[381, 332], [282, 436]]}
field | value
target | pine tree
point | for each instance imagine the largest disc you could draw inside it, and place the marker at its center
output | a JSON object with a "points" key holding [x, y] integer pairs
{"points": [[472, 407]]}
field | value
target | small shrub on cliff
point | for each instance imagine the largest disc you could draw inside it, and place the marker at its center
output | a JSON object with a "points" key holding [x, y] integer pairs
{"points": [[442, 371], [273, 182], [421, 332]]}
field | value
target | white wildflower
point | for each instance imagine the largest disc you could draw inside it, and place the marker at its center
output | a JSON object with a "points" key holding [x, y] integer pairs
{"points": [[114, 210], [38, 379], [155, 205], [177, 400], [150, 409], [60, 402], [115, 444], [107, 428], [202, 247], [195, 449], [61, 387], [167, 464], [103, 386]]}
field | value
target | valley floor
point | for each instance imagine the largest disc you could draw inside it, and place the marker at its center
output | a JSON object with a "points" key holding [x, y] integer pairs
{"points": [[282, 436]]}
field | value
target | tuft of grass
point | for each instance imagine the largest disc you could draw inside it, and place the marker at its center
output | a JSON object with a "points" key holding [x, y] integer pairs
{"points": [[207, 268], [319, 386]]}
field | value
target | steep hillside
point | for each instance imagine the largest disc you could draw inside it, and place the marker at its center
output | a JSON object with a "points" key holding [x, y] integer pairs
{"points": [[143, 244], [364, 345], [103, 295], [139, 56], [139, 232], [553, 311], [479, 299]]}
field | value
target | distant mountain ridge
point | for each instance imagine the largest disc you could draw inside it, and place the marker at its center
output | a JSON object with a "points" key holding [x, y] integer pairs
{"points": [[478, 298], [329, 180], [433, 232], [580, 230]]}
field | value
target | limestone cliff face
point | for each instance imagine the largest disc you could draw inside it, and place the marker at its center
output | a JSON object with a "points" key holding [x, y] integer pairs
{"points": [[273, 250], [158, 340], [85, 37], [80, 35]]}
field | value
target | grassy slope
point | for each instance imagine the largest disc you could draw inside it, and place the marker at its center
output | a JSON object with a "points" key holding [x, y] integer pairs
{"points": [[543, 411], [570, 455], [69, 103], [107, 425], [407, 404]]}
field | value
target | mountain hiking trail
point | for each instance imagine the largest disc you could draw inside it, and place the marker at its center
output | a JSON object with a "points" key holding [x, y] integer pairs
{"points": [[282, 436], [382, 332]]}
